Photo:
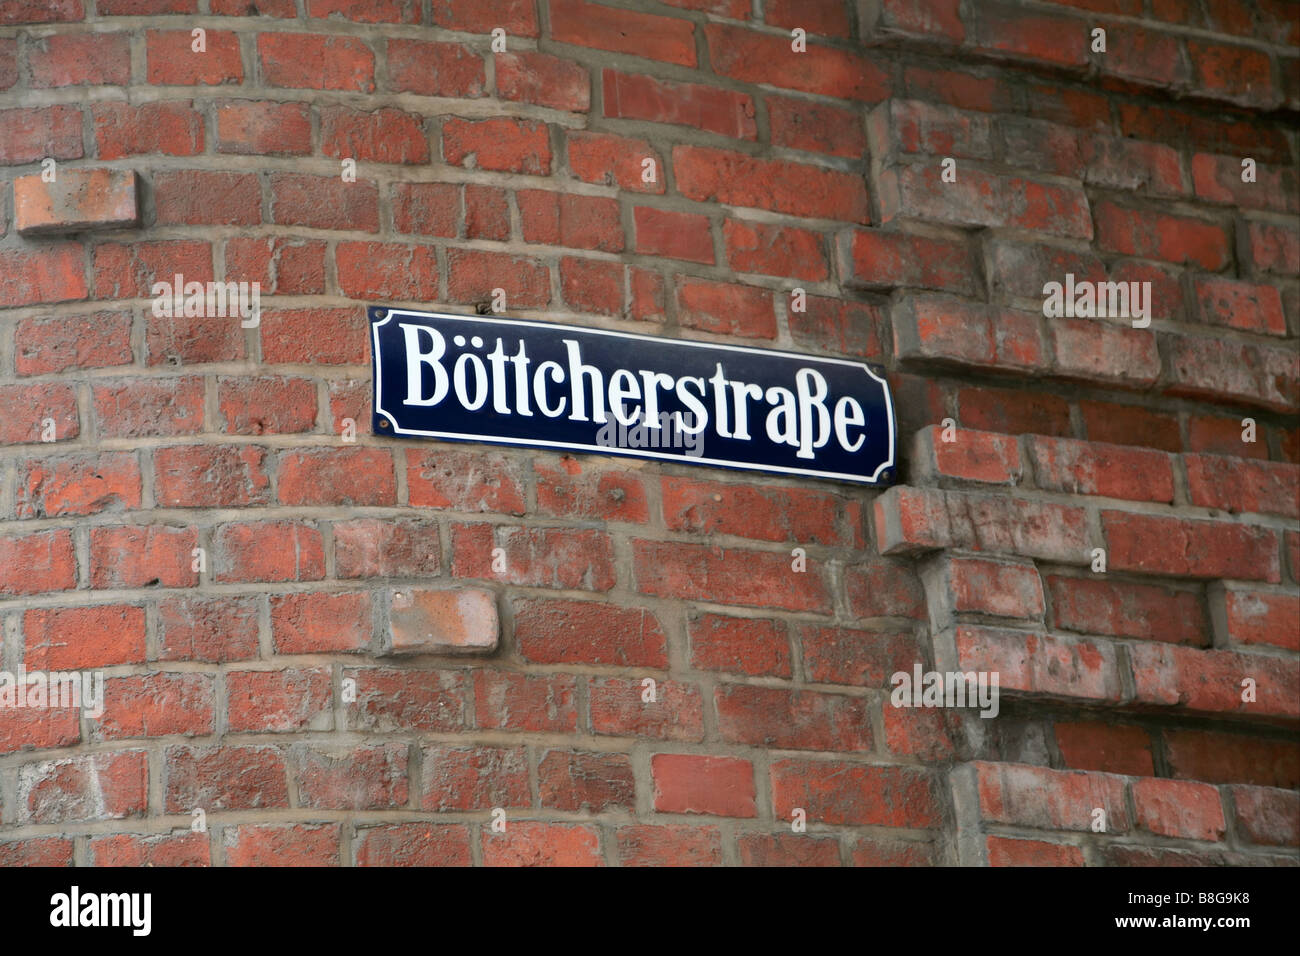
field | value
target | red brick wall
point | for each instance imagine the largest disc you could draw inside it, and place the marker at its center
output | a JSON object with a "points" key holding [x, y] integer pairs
{"points": [[774, 170]]}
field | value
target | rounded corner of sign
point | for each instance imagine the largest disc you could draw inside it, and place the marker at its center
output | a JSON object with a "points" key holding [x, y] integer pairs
{"points": [[379, 314], [383, 423]]}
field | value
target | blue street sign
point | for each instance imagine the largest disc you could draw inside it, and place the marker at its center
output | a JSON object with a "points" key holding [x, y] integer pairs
{"points": [[538, 385]]}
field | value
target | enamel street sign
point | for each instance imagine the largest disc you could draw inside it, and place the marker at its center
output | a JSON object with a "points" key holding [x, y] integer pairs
{"points": [[537, 385]]}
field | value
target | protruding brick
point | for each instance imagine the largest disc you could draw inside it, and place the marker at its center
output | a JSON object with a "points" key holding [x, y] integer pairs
{"points": [[455, 621], [79, 200]]}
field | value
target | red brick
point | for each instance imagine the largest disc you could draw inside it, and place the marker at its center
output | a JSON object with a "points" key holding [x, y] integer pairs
{"points": [[569, 490], [268, 551], [544, 80], [289, 845], [386, 547], [1198, 549], [1177, 239], [86, 59], [673, 235], [263, 128], [768, 514], [367, 11], [156, 705], [391, 700], [1241, 305], [314, 336], [413, 844], [1210, 681], [194, 340], [324, 202], [718, 786], [281, 265], [171, 60], [88, 787], [644, 845], [815, 127], [1270, 817], [387, 270], [315, 623], [787, 849], [1043, 799], [487, 215], [854, 794], [759, 648], [40, 728], [206, 198], [1093, 605], [983, 199], [216, 630], [884, 589], [43, 11], [359, 778], [426, 209], [542, 844], [309, 61], [1220, 370], [473, 275], [1178, 808], [173, 128], [1041, 665], [715, 175], [792, 720], [54, 273], [1234, 485], [588, 632], [499, 143], [149, 407], [32, 563], [775, 250], [929, 329], [83, 637], [669, 39], [1045, 38], [1004, 851], [208, 476], [1130, 425], [56, 344], [874, 259], [837, 325], [753, 57], [381, 136], [637, 97], [996, 588], [725, 308], [172, 850], [130, 271], [911, 519], [1236, 73], [558, 219], [78, 485], [516, 17], [468, 480], [1273, 247], [619, 709], [1105, 747], [142, 556], [544, 703], [1093, 351], [1258, 617], [1232, 758], [702, 573], [861, 657], [1112, 471], [984, 457], [31, 135], [277, 701], [584, 781], [609, 160], [474, 778]]}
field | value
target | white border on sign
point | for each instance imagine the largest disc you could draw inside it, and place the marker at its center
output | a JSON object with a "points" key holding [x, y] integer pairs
{"points": [[377, 367]]}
